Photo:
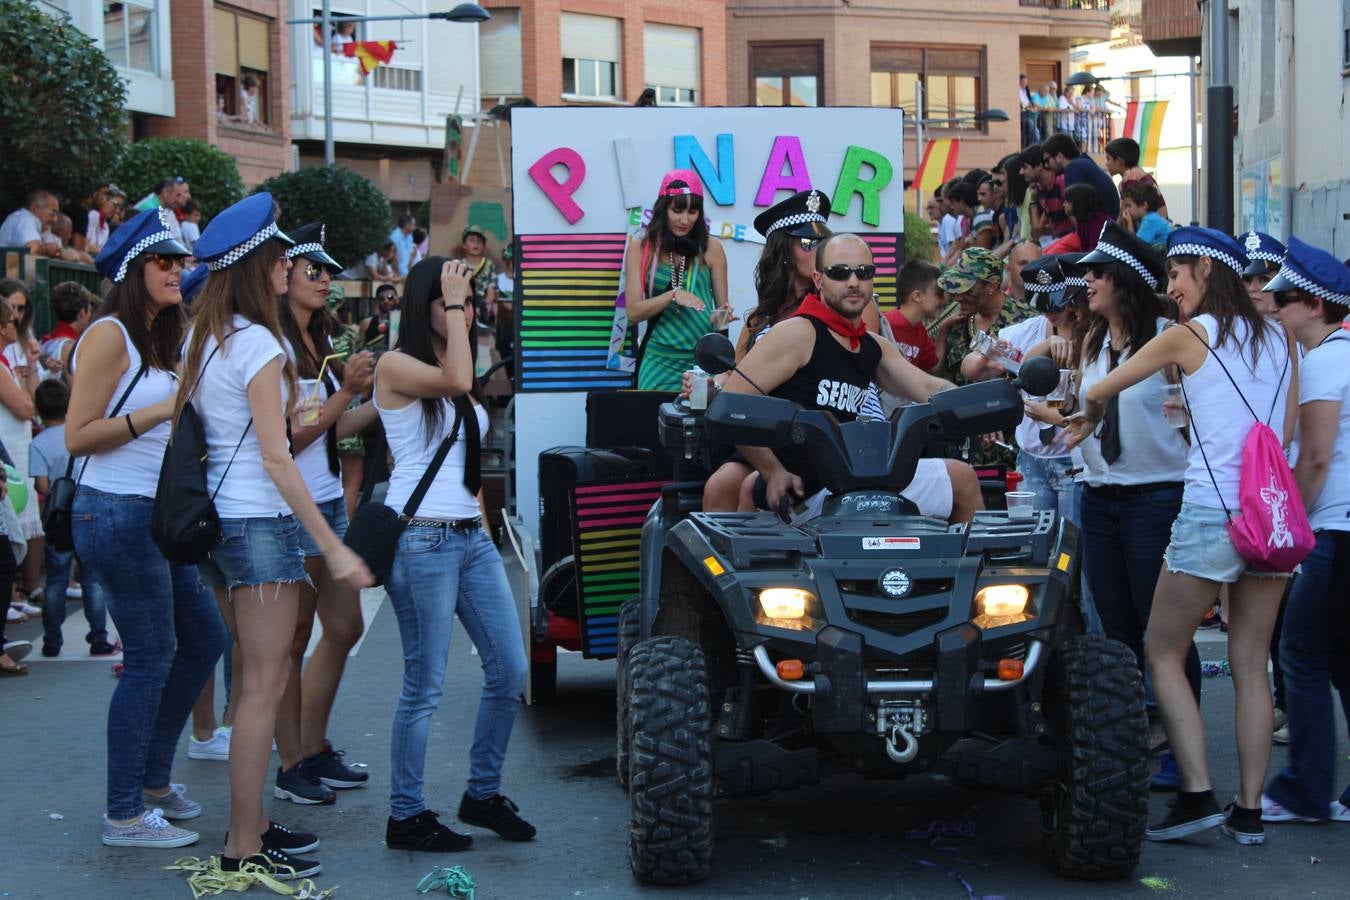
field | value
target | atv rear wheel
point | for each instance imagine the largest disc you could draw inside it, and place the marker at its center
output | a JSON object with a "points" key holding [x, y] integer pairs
{"points": [[670, 834], [1097, 810], [629, 632]]}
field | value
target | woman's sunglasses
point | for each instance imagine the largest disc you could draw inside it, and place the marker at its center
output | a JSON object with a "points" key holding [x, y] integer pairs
{"points": [[841, 272], [165, 263], [809, 244], [1284, 298], [314, 271]]}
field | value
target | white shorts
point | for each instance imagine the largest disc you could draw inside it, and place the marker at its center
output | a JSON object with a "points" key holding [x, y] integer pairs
{"points": [[930, 491]]}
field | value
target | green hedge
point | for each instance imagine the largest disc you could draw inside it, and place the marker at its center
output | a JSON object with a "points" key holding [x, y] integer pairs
{"points": [[211, 173], [356, 214], [919, 242]]}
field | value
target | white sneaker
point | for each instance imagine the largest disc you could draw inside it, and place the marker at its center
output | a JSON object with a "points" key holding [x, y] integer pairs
{"points": [[150, 830], [175, 804], [1339, 812], [1274, 812], [74, 592], [215, 747], [27, 609], [13, 616]]}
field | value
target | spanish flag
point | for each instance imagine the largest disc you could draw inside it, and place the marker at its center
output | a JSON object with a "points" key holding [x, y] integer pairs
{"points": [[1143, 122], [370, 53], [938, 165]]}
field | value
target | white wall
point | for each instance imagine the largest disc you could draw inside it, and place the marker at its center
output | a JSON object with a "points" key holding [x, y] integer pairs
{"points": [[151, 93]]}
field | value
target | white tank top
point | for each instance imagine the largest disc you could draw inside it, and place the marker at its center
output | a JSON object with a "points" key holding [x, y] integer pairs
{"points": [[413, 449], [132, 468], [1220, 419]]}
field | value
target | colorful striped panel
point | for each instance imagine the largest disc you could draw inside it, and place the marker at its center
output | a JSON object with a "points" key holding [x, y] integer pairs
{"points": [[888, 252], [566, 286], [607, 519]]}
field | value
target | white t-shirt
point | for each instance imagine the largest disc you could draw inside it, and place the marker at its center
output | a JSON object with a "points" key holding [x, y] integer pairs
{"points": [[313, 464], [222, 400], [1325, 375], [948, 231], [19, 228], [1024, 335], [97, 231], [190, 233]]}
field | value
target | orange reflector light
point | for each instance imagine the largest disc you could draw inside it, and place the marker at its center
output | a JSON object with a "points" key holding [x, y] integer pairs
{"points": [[713, 566], [791, 669], [1009, 669]]}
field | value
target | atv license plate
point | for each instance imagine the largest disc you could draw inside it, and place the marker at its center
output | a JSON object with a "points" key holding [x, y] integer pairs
{"points": [[890, 543]]}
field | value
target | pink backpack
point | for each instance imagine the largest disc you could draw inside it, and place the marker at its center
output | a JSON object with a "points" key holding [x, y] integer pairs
{"points": [[1271, 530]]}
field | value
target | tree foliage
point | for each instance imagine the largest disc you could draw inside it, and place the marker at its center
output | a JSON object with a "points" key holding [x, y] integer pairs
{"points": [[356, 214], [212, 174], [61, 107], [919, 242]]}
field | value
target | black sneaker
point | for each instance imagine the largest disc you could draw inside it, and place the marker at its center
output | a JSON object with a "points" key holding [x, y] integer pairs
{"points": [[497, 813], [1190, 814], [279, 837], [51, 650], [424, 831], [1244, 825], [103, 648], [278, 863], [295, 785], [328, 768]]}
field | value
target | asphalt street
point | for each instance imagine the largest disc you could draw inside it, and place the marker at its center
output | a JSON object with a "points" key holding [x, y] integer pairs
{"points": [[922, 838]]}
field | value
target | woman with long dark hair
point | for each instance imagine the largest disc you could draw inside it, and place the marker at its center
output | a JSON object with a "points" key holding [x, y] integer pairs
{"points": [[122, 397], [1088, 212], [676, 282], [1225, 337], [310, 768], [238, 376], [446, 565]]}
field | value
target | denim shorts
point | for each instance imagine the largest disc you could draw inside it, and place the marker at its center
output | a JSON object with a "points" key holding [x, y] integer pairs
{"points": [[255, 551], [1200, 546], [335, 513]]}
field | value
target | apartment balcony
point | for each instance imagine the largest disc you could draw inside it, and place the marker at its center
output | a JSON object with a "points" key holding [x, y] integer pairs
{"points": [[1171, 27], [1078, 21]]}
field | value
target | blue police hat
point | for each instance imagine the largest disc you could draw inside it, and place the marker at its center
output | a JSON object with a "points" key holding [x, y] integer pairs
{"points": [[192, 282], [1120, 245], [1316, 271], [1052, 280], [1264, 251], [238, 231], [1192, 240], [309, 241], [146, 232]]}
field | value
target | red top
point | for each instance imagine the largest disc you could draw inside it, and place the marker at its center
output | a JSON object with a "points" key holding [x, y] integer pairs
{"points": [[913, 340], [62, 331]]}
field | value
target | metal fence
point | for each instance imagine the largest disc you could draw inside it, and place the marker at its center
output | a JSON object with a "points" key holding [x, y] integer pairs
{"points": [[41, 275], [1091, 129], [1098, 5]]}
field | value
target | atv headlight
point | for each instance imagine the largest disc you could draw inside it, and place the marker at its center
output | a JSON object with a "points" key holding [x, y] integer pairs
{"points": [[1001, 604], [784, 603]]}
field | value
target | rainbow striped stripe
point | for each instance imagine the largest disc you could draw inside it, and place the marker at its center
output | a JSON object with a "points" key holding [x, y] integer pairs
{"points": [[1143, 122]]}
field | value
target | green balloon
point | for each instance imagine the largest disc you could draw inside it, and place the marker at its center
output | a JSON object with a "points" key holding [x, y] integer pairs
{"points": [[17, 488]]}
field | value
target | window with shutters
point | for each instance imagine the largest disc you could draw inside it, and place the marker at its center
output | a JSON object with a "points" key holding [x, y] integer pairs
{"points": [[592, 51], [499, 56], [671, 56], [243, 45], [952, 79], [787, 74], [130, 38]]}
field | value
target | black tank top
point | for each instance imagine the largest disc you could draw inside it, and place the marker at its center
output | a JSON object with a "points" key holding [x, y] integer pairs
{"points": [[834, 378]]}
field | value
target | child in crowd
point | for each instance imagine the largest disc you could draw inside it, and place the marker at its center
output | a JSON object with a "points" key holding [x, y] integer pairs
{"points": [[73, 306], [48, 461], [920, 302], [1139, 205], [192, 223]]}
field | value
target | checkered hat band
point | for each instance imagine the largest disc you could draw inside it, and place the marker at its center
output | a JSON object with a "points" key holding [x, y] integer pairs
{"points": [[1039, 288], [137, 249], [1265, 256], [1075, 282], [795, 219], [233, 256], [1313, 287], [302, 249], [1201, 250], [1125, 256]]}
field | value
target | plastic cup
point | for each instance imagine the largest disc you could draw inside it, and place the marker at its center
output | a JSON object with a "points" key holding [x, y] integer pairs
{"points": [[1059, 397], [309, 403], [1021, 504], [1174, 413]]}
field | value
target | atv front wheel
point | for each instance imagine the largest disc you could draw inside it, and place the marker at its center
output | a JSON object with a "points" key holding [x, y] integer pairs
{"points": [[629, 632], [670, 833], [1098, 808]]}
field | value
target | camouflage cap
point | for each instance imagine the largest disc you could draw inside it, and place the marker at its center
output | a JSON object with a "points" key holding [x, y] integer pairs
{"points": [[976, 264]]}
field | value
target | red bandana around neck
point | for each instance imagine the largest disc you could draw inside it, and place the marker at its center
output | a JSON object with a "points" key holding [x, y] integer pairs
{"points": [[814, 308]]}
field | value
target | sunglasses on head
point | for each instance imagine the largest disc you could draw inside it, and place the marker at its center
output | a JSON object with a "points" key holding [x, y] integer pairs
{"points": [[165, 263], [841, 272]]}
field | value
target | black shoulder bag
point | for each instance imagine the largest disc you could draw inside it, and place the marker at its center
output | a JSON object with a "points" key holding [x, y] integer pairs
{"points": [[57, 509], [184, 524], [375, 529]]}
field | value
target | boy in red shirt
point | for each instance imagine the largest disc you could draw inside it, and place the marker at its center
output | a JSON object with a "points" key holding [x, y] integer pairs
{"points": [[920, 299]]}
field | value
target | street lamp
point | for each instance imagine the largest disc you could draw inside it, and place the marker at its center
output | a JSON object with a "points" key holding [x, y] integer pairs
{"points": [[464, 12], [993, 114]]}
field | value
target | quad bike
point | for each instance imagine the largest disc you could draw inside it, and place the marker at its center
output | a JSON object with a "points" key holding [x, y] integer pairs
{"points": [[762, 656]]}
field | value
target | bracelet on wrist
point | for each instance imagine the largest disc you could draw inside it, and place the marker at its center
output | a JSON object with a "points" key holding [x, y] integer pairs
{"points": [[131, 428], [449, 306]]}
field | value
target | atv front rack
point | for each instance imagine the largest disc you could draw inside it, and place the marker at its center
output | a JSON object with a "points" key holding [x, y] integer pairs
{"points": [[884, 686]]}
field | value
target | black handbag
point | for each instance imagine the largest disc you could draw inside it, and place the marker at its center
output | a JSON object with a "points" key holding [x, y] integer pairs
{"points": [[375, 529], [57, 509], [183, 523]]}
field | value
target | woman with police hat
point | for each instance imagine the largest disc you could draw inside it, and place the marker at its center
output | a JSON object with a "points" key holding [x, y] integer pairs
{"points": [[309, 766], [238, 375], [122, 399]]}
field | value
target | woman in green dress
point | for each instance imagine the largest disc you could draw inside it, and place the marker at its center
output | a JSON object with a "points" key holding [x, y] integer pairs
{"points": [[678, 275]]}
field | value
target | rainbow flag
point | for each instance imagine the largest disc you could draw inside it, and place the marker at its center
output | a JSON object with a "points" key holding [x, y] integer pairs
{"points": [[370, 53], [1143, 122], [938, 165]]}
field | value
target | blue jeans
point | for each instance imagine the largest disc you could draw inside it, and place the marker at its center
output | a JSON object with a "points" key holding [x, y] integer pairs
{"points": [[172, 635], [1124, 536], [57, 565], [438, 574], [1048, 479], [1315, 655]]}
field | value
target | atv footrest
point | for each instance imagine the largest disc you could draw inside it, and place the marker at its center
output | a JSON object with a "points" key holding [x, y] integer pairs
{"points": [[1017, 765], [761, 767]]}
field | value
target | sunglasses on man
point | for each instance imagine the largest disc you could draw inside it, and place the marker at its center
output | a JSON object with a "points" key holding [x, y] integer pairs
{"points": [[841, 272]]}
